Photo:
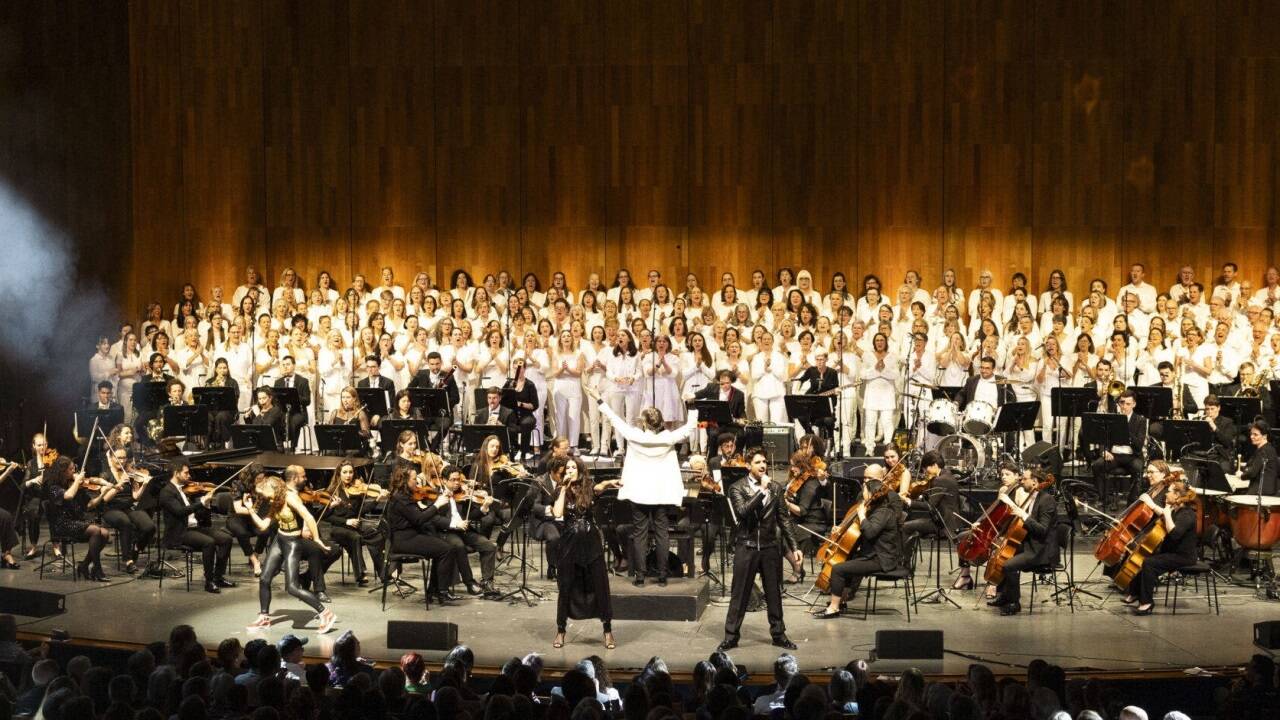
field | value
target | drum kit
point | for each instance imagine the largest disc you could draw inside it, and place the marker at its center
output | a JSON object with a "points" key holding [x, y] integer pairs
{"points": [[967, 442]]}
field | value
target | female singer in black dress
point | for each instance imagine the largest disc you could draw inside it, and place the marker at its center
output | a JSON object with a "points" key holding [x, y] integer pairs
{"points": [[1177, 550], [348, 525], [582, 576], [290, 515], [67, 502]]}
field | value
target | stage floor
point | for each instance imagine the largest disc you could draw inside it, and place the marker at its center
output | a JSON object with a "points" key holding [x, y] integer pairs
{"points": [[1100, 636]]}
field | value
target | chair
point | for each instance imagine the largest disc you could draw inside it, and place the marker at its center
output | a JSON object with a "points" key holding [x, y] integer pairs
{"points": [[904, 574], [1178, 577], [1052, 570], [395, 558], [65, 561], [188, 556]]}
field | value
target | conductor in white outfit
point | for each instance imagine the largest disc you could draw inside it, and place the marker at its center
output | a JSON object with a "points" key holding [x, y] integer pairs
{"points": [[650, 480]]}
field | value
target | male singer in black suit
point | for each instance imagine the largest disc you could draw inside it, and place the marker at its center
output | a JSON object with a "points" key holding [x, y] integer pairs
{"points": [[763, 525], [1263, 465], [297, 418], [266, 413], [431, 377], [187, 523], [820, 379], [1040, 547], [1129, 456]]}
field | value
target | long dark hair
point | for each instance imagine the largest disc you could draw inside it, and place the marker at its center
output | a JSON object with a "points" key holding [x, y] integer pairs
{"points": [[580, 494]]}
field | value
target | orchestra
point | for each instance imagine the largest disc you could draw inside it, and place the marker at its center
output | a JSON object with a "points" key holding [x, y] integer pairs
{"points": [[613, 375]]}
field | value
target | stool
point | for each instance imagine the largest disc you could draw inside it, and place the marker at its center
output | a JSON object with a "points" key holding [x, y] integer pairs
{"points": [[1200, 569]]}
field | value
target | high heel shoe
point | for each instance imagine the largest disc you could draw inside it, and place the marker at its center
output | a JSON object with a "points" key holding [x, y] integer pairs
{"points": [[82, 572], [964, 582], [609, 642]]}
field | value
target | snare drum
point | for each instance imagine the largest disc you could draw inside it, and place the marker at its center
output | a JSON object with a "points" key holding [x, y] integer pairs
{"points": [[979, 418], [942, 417], [1254, 527], [1211, 511], [962, 453]]}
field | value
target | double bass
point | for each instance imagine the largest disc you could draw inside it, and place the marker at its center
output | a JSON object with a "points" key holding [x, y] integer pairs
{"points": [[844, 537], [1004, 550]]}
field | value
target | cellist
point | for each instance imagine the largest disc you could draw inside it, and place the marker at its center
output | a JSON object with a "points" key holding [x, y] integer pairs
{"points": [[1009, 485], [879, 546], [1177, 550], [1039, 516]]}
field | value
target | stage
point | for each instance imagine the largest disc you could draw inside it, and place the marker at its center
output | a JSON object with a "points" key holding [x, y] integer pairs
{"points": [[1098, 636]]}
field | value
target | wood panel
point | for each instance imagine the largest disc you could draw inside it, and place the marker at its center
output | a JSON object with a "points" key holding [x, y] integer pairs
{"points": [[987, 129], [477, 117], [564, 138], [812, 159], [307, 139], [393, 138], [223, 153], [899, 139], [647, 101]]}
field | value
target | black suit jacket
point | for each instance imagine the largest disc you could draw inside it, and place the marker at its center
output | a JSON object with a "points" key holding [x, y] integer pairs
{"points": [[1225, 434], [273, 418], [881, 536], [1261, 470], [1004, 393], [176, 512], [450, 386], [737, 400], [504, 415], [383, 383], [1042, 527], [303, 387], [761, 524]]}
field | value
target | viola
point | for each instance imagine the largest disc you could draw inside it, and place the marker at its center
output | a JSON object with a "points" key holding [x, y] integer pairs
{"points": [[1012, 540], [844, 537]]}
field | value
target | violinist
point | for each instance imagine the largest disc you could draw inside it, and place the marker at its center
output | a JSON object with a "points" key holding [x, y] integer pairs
{"points": [[492, 468], [726, 444], [1177, 550], [805, 503], [253, 542], [221, 420], [31, 505], [891, 458], [412, 524], [1126, 457], [879, 546], [344, 511], [1263, 465], [349, 412], [186, 523], [266, 413], [8, 541], [461, 523], [126, 509], [583, 582], [284, 509], [939, 496], [763, 525], [69, 499], [1039, 516], [542, 525]]}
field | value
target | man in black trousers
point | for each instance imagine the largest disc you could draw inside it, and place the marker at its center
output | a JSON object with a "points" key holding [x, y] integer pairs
{"points": [[763, 524]]}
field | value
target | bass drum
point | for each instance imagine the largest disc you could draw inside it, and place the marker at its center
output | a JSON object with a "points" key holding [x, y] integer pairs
{"points": [[962, 453], [979, 418], [942, 417]]}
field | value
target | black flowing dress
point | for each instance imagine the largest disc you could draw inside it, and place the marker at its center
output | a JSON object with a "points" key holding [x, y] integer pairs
{"points": [[582, 576]]}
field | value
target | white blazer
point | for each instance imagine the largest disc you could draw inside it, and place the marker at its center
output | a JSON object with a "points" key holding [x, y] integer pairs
{"points": [[651, 469]]}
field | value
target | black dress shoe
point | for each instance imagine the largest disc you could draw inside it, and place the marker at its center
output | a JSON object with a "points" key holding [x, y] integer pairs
{"points": [[211, 587], [450, 596], [224, 583], [726, 645], [441, 599], [8, 565], [662, 582], [362, 581], [784, 642], [551, 572], [1012, 608], [472, 588], [998, 601], [826, 615], [98, 575], [638, 581], [487, 590], [323, 597]]}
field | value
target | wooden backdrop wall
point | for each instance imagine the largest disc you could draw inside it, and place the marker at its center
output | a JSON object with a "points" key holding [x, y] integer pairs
{"points": [[703, 135]]}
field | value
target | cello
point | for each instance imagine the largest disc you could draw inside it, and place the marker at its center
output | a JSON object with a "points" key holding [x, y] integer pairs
{"points": [[976, 546], [1130, 526], [844, 537], [1004, 550]]}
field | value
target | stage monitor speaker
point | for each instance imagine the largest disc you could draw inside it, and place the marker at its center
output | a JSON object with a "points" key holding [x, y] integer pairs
{"points": [[908, 645], [32, 603], [1267, 634], [1046, 455], [778, 442], [421, 635]]}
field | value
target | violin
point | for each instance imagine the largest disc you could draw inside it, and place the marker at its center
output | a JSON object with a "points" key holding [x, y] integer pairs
{"points": [[1016, 533], [844, 537], [196, 487], [96, 484], [48, 456]]}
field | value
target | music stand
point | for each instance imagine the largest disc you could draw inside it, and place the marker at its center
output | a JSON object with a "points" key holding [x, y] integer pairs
{"points": [[391, 430], [217, 399], [262, 437], [1154, 402], [107, 419], [715, 411], [1182, 434], [188, 420], [432, 402], [1105, 430], [374, 400], [808, 408], [341, 439], [149, 396], [474, 435], [1241, 410], [1070, 403], [1017, 417], [288, 399]]}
